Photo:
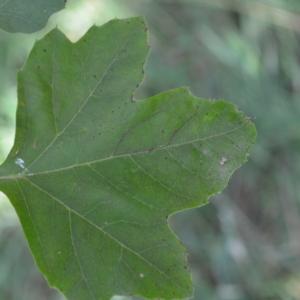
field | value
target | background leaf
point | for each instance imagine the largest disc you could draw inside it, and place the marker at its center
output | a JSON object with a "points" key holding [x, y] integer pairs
{"points": [[94, 175], [27, 15]]}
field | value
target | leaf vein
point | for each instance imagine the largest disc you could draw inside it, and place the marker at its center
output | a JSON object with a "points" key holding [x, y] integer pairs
{"points": [[118, 189], [77, 257], [84, 102], [99, 228], [155, 179]]}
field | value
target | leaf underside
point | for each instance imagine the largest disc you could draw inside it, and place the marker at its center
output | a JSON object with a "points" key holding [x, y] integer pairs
{"points": [[27, 15], [94, 174]]}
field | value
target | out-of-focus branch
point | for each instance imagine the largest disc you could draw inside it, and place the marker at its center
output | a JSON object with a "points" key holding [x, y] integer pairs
{"points": [[263, 12]]}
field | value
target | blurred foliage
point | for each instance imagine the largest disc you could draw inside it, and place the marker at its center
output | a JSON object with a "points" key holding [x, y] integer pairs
{"points": [[246, 244]]}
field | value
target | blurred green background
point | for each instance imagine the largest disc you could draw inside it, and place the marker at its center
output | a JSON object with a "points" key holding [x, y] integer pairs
{"points": [[246, 244]]}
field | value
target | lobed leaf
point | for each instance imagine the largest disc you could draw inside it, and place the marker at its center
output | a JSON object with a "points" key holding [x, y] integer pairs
{"points": [[94, 174]]}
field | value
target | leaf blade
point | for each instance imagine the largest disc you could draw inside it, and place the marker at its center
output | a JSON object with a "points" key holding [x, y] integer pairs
{"points": [[110, 170]]}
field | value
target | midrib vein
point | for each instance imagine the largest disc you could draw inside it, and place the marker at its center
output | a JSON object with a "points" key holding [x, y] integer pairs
{"points": [[125, 155]]}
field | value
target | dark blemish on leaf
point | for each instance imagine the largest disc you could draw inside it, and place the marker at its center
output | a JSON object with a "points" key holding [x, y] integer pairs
{"points": [[45, 50], [95, 76]]}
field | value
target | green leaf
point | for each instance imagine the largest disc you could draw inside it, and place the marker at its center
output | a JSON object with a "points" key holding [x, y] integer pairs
{"points": [[27, 15], [94, 174]]}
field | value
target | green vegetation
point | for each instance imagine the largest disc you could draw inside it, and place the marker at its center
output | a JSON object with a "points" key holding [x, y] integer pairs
{"points": [[245, 245], [27, 15]]}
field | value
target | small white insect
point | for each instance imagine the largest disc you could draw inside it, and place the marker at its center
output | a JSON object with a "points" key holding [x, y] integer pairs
{"points": [[142, 275], [223, 161], [20, 162]]}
